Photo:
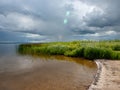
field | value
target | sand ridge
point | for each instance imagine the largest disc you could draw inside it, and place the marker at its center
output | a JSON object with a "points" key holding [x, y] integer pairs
{"points": [[107, 76]]}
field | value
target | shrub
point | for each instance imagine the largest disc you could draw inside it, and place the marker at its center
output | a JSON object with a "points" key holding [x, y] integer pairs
{"points": [[57, 49], [97, 53], [87, 49], [116, 55], [78, 52], [116, 47]]}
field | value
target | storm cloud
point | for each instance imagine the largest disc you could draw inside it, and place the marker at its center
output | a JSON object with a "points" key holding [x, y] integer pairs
{"points": [[59, 19]]}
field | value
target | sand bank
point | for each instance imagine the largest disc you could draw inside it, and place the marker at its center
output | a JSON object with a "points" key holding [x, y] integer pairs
{"points": [[108, 75]]}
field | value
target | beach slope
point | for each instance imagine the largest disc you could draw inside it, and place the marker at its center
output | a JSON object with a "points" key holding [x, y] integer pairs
{"points": [[108, 75]]}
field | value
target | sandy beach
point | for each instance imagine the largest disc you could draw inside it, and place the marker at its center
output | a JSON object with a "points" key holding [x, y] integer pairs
{"points": [[108, 75]]}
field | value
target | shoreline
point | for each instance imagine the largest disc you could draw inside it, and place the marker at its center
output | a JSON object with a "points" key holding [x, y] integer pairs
{"points": [[107, 76]]}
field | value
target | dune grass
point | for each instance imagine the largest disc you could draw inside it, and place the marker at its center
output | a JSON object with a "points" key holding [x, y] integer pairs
{"points": [[108, 49]]}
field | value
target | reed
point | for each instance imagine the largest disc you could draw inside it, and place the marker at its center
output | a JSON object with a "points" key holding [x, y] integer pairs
{"points": [[87, 49]]}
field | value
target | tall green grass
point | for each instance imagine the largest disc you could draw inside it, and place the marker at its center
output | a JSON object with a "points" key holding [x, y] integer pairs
{"points": [[86, 49]]}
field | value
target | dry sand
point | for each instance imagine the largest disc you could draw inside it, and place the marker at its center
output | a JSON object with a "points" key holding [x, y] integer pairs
{"points": [[108, 75]]}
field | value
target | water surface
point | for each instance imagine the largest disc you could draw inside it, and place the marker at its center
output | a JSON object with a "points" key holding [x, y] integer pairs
{"points": [[26, 72]]}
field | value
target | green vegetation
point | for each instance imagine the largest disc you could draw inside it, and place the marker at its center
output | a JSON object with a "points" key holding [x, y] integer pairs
{"points": [[109, 49]]}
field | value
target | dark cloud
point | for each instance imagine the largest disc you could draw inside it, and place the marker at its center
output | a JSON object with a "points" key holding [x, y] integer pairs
{"points": [[10, 36], [107, 13], [7, 36], [96, 20], [79, 31], [87, 18]]}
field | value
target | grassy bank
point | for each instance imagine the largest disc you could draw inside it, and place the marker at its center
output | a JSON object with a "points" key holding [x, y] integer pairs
{"points": [[86, 49]]}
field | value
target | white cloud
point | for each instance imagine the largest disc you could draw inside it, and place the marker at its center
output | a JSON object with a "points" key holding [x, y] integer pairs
{"points": [[29, 35], [110, 33], [16, 21], [25, 22], [81, 9], [106, 33]]}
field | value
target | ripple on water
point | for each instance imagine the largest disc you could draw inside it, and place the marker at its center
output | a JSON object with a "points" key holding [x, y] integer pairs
{"points": [[19, 72]]}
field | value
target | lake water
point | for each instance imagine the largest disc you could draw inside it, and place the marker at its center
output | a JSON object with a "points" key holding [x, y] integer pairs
{"points": [[26, 72]]}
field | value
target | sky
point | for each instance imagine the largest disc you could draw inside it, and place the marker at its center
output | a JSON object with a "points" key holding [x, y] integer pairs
{"points": [[59, 20]]}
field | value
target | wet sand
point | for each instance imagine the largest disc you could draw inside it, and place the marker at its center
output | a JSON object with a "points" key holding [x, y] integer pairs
{"points": [[108, 75]]}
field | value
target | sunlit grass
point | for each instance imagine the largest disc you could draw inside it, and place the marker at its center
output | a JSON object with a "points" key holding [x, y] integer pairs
{"points": [[87, 49]]}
